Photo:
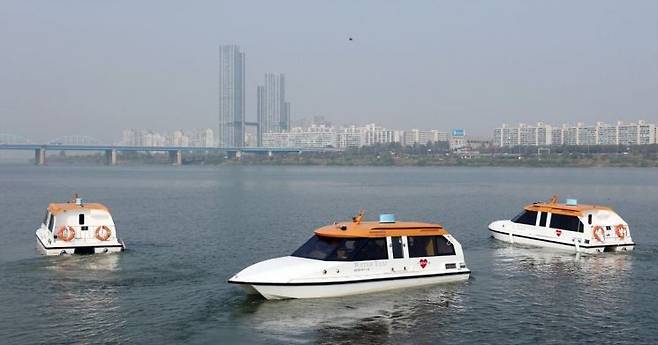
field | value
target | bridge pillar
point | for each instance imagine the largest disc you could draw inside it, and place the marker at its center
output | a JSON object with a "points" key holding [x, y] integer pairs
{"points": [[40, 156], [176, 157], [111, 157]]}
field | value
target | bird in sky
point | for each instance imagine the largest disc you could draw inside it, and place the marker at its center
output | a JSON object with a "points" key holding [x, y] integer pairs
{"points": [[351, 39]]}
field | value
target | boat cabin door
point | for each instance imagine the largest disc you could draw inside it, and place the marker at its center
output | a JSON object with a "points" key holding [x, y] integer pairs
{"points": [[396, 246]]}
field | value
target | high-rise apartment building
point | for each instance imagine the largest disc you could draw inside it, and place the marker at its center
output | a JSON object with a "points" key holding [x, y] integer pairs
{"points": [[272, 109], [285, 117], [373, 134], [523, 135], [639, 133], [231, 96]]}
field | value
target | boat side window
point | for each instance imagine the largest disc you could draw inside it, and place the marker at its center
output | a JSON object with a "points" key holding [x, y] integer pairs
{"points": [[333, 249], [420, 246], [343, 249], [542, 219], [526, 217], [81, 219], [564, 222], [372, 249], [51, 222], [397, 247], [45, 218], [589, 219], [443, 246]]}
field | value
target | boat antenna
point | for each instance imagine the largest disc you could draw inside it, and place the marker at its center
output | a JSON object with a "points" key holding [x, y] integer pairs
{"points": [[75, 197], [553, 199], [358, 217]]}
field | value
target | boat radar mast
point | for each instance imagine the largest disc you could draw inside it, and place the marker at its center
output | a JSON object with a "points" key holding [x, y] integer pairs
{"points": [[357, 219]]}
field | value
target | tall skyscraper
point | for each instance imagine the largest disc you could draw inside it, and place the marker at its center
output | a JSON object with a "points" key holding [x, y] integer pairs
{"points": [[285, 117], [273, 110], [231, 96]]}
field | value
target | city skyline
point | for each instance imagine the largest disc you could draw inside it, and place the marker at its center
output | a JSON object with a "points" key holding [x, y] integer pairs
{"points": [[439, 65]]}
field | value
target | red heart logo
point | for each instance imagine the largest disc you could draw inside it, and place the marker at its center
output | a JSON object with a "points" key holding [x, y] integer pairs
{"points": [[423, 263], [558, 232]]}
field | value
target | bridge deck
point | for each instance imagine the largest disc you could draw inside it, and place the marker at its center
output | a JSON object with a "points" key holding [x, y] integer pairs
{"points": [[52, 147]]}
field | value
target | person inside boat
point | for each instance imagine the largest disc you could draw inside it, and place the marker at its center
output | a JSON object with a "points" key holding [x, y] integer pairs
{"points": [[336, 249]]}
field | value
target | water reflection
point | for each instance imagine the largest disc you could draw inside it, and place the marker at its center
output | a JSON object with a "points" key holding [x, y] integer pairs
{"points": [[590, 290], [82, 297], [535, 259], [374, 318], [83, 263]]}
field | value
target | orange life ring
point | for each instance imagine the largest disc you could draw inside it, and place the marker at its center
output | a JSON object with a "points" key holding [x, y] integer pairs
{"points": [[66, 233], [106, 236], [599, 233], [620, 230]]}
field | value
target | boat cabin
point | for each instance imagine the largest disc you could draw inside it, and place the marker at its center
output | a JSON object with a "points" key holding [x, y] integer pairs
{"points": [[84, 219], [362, 241], [77, 228], [569, 216]]}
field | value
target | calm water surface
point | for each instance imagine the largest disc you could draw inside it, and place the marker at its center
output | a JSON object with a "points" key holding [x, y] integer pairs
{"points": [[188, 229]]}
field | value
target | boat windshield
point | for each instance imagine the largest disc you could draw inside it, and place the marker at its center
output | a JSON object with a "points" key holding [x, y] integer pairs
{"points": [[343, 249], [526, 217]]}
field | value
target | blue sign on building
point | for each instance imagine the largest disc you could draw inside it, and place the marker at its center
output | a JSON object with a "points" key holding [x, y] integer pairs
{"points": [[458, 132]]}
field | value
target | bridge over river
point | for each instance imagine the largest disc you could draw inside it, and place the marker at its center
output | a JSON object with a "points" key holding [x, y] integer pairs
{"points": [[13, 142]]}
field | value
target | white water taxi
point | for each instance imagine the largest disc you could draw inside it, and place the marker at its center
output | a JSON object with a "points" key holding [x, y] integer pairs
{"points": [[78, 228], [356, 257], [569, 226]]}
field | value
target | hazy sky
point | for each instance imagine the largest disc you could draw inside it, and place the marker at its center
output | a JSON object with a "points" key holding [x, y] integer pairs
{"points": [[95, 67]]}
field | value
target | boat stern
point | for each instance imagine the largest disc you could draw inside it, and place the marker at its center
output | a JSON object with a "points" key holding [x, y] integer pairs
{"points": [[49, 247]]}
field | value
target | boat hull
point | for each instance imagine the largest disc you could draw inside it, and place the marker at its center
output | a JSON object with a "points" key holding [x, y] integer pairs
{"points": [[347, 288], [549, 243]]}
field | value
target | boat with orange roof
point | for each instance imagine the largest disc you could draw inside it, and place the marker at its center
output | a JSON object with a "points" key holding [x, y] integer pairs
{"points": [[568, 226], [357, 257], [76, 227]]}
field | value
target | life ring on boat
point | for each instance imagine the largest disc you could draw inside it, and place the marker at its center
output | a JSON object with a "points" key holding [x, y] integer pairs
{"points": [[66, 233], [598, 232], [107, 232], [620, 230]]}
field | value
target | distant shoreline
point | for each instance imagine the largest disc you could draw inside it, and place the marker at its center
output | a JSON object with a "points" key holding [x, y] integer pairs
{"points": [[384, 160]]}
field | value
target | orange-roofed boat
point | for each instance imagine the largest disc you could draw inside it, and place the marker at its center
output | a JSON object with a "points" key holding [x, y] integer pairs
{"points": [[568, 226], [357, 257], [78, 228]]}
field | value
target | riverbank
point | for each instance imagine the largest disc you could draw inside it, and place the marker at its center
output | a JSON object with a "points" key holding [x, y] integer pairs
{"points": [[380, 159]]}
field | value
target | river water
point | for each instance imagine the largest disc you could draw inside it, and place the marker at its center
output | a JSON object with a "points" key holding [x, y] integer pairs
{"points": [[188, 229]]}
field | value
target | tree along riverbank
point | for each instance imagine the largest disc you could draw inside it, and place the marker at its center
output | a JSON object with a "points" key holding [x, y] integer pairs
{"points": [[382, 158]]}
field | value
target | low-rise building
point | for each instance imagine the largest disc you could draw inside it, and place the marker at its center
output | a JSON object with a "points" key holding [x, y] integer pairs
{"points": [[457, 139], [297, 137], [180, 138], [423, 137]]}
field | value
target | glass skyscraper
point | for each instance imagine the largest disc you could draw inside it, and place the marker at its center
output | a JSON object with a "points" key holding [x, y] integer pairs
{"points": [[231, 96]]}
